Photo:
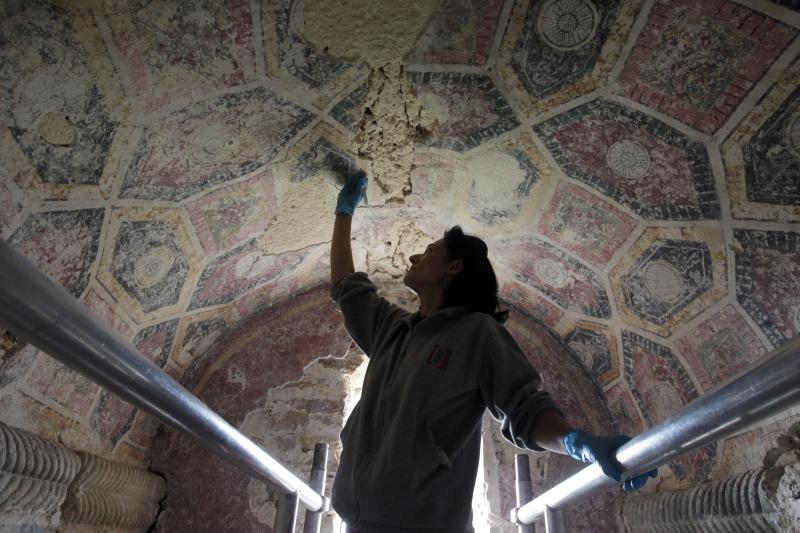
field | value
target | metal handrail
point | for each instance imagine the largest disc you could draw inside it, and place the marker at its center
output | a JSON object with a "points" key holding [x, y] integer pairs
{"points": [[38, 310], [764, 389]]}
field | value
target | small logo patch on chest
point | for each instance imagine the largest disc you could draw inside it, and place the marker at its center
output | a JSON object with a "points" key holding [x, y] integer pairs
{"points": [[439, 357]]}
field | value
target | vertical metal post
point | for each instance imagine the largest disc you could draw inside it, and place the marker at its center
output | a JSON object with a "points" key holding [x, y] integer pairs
{"points": [[553, 520], [286, 513], [524, 488], [319, 472]]}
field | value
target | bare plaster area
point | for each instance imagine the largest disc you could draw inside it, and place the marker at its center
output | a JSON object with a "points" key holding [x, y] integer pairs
{"points": [[373, 31], [379, 34], [300, 221], [393, 122], [297, 415], [783, 477]]}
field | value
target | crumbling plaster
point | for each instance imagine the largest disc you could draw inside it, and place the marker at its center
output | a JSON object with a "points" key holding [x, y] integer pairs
{"points": [[633, 166]]}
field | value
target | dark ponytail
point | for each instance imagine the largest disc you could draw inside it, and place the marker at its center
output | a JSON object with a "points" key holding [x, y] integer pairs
{"points": [[476, 285]]}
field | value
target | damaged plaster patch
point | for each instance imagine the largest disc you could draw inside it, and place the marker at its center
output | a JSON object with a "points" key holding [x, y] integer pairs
{"points": [[374, 31], [380, 34], [305, 217], [499, 183], [393, 121], [782, 480], [9, 345], [390, 259], [296, 416], [56, 129]]}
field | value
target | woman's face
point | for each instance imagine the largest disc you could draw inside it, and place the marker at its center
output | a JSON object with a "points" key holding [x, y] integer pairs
{"points": [[433, 267]]}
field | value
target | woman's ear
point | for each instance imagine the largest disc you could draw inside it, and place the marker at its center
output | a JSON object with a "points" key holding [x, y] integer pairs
{"points": [[455, 266]]}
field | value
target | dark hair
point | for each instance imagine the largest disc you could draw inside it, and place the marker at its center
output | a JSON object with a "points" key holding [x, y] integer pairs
{"points": [[476, 285]]}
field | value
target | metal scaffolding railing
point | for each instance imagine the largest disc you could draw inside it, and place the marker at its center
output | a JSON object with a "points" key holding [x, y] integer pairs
{"points": [[38, 310], [769, 386], [41, 312]]}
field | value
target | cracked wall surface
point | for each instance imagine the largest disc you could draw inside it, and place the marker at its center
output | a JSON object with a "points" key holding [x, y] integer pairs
{"points": [[633, 165]]}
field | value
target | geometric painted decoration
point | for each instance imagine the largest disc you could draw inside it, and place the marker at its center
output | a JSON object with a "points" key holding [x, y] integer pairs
{"points": [[149, 264], [585, 224], [10, 203], [596, 349], [791, 4], [349, 110], [323, 151], [666, 278], [768, 281], [665, 281], [53, 381], [469, 108], [211, 142], [556, 50], [773, 157], [661, 387], [196, 336], [239, 270], [720, 347], [624, 412], [696, 61], [56, 112], [322, 156], [112, 417], [172, 51], [564, 280], [62, 244], [229, 214], [155, 342], [502, 178], [762, 156], [113, 316], [521, 296], [459, 32], [432, 176], [633, 159], [290, 58]]}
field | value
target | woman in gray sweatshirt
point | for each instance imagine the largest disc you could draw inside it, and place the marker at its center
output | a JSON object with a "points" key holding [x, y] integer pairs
{"points": [[410, 448]]}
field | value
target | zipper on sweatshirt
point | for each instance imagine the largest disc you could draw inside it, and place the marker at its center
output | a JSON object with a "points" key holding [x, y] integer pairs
{"points": [[393, 372]]}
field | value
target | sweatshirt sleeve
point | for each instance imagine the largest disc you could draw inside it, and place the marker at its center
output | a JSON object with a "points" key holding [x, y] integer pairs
{"points": [[366, 315], [510, 387]]}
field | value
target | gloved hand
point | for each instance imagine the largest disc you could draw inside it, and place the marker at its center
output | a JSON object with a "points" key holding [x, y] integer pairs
{"points": [[352, 193], [583, 446]]}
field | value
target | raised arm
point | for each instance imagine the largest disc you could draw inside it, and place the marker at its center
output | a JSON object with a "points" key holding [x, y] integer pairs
{"points": [[341, 252]]}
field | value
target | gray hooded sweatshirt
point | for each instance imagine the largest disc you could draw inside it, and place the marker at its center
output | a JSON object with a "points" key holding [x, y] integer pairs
{"points": [[412, 443]]}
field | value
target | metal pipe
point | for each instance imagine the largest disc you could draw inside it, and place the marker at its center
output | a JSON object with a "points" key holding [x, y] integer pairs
{"points": [[553, 520], [522, 469], [286, 513], [764, 389], [313, 521], [38, 310]]}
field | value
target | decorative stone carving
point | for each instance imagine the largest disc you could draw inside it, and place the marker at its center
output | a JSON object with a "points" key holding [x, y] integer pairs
{"points": [[34, 477], [45, 486], [111, 495], [764, 499], [737, 503]]}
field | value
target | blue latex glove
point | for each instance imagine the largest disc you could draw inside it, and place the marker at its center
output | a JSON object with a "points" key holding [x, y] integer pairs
{"points": [[583, 446], [352, 193]]}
